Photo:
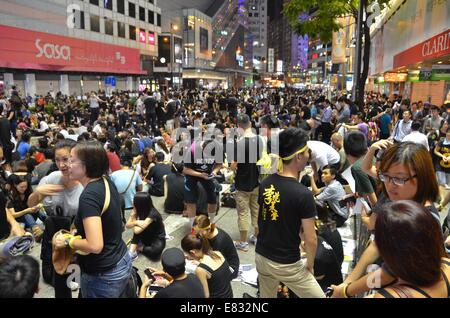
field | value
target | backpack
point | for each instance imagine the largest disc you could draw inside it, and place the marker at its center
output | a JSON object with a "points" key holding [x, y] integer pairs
{"points": [[373, 133], [228, 200], [133, 286]]}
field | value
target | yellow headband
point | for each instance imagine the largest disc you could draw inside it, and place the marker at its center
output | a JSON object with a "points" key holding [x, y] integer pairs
{"points": [[203, 228], [280, 161]]}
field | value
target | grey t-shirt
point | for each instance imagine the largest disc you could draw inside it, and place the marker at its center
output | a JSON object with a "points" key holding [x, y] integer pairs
{"points": [[68, 199]]}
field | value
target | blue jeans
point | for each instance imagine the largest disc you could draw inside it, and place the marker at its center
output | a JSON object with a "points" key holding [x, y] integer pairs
{"points": [[29, 219], [109, 284]]}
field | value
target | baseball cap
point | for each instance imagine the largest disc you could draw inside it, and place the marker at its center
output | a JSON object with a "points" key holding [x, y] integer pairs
{"points": [[173, 261]]}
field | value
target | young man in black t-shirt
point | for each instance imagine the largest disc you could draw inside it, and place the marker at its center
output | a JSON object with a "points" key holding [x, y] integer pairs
{"points": [[183, 285], [248, 152], [285, 206], [202, 162]]}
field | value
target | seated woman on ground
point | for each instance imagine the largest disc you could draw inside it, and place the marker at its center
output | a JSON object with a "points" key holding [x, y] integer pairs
{"points": [[18, 206], [149, 234], [213, 269]]}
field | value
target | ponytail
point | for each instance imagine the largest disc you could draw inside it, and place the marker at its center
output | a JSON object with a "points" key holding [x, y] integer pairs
{"points": [[197, 242]]}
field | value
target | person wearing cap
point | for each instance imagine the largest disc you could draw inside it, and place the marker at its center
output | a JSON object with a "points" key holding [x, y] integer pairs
{"points": [[285, 206], [183, 285]]}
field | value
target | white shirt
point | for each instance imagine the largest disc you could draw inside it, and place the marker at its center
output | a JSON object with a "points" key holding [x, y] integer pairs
{"points": [[97, 129], [323, 154], [82, 129], [43, 126], [418, 138]]}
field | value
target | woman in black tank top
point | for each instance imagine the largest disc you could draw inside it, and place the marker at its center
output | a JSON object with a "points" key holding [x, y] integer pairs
{"points": [[418, 260], [213, 270]]}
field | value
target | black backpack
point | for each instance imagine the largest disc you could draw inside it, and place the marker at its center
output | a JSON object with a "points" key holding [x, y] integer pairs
{"points": [[134, 285], [228, 200]]}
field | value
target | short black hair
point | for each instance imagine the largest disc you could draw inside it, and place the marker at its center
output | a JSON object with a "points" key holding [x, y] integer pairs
{"points": [[94, 158], [291, 140], [416, 126], [65, 143], [270, 121], [355, 144], [19, 277], [333, 170], [159, 156]]}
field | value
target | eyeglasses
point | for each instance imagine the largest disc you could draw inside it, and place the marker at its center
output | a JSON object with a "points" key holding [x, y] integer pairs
{"points": [[71, 162], [397, 181]]}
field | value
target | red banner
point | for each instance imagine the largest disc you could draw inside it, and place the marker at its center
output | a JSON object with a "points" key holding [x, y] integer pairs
{"points": [[437, 46], [26, 49]]}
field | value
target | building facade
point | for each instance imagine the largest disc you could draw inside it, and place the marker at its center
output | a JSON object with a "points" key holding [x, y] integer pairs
{"points": [[410, 53], [73, 46], [257, 13]]}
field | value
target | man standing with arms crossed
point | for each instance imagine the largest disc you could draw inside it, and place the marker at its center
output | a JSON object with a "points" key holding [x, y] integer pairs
{"points": [[285, 207]]}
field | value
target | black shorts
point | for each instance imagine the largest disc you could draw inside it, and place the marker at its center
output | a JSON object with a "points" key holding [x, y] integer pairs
{"points": [[191, 189]]}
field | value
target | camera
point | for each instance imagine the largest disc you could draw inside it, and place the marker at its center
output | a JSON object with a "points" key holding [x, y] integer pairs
{"points": [[347, 199]]}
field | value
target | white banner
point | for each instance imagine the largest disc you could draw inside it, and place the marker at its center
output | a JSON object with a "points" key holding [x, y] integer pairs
{"points": [[270, 62]]}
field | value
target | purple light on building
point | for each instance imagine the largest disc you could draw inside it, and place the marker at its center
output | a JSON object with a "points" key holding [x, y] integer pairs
{"points": [[299, 50]]}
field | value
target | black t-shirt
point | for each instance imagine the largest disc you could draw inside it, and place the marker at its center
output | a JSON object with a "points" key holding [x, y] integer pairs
{"points": [[333, 238], [210, 100], [171, 109], [232, 104], [190, 287], [248, 109], [31, 164], [326, 264], [203, 161], [4, 225], [223, 243], [222, 104], [155, 230], [150, 105], [304, 125], [175, 195], [91, 204], [248, 152], [157, 173], [306, 112], [283, 203]]}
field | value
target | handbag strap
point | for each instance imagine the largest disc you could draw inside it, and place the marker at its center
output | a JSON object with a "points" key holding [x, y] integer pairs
{"points": [[107, 196], [132, 178]]}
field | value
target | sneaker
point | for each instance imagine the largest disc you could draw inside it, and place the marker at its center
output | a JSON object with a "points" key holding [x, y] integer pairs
{"points": [[134, 256], [252, 239], [243, 246]]}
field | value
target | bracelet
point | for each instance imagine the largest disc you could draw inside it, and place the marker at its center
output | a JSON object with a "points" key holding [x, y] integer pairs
{"points": [[345, 291], [72, 239]]}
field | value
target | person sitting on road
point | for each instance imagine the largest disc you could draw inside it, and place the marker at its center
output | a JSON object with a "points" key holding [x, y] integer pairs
{"points": [[182, 286], [149, 234]]}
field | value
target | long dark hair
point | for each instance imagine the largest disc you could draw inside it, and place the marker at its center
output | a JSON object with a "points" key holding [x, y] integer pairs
{"points": [[197, 242], [410, 242], [15, 180], [143, 204]]}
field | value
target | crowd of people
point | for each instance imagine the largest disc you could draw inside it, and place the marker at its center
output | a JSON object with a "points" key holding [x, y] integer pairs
{"points": [[295, 159]]}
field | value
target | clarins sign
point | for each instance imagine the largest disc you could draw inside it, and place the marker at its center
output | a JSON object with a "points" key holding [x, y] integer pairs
{"points": [[437, 46], [25, 49]]}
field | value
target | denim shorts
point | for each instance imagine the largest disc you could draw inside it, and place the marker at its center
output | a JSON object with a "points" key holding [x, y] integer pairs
{"points": [[191, 189], [109, 284]]}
